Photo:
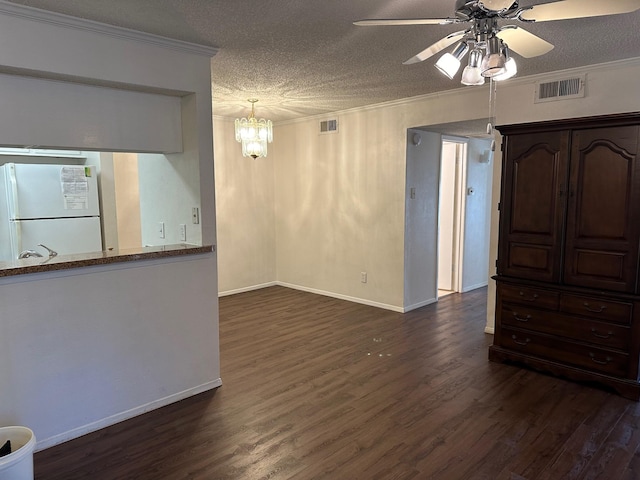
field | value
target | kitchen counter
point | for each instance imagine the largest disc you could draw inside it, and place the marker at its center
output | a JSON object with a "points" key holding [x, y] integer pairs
{"points": [[64, 262]]}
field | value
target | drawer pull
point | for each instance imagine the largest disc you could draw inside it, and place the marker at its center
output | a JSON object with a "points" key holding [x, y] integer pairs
{"points": [[593, 310], [599, 335], [600, 362], [521, 319], [533, 298], [525, 343]]}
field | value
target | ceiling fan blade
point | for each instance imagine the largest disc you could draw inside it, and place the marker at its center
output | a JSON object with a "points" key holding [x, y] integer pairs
{"points": [[524, 43], [567, 9], [436, 47], [497, 5], [406, 21]]}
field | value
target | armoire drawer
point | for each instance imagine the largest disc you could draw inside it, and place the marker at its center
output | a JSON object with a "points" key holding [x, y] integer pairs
{"points": [[562, 351], [595, 307], [529, 296], [578, 328]]}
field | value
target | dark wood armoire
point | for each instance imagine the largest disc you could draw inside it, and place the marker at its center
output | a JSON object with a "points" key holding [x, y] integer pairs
{"points": [[567, 274]]}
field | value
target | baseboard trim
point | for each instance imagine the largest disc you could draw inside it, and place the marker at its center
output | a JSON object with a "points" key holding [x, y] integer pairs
{"points": [[419, 305], [473, 287], [119, 417], [247, 289], [342, 297]]}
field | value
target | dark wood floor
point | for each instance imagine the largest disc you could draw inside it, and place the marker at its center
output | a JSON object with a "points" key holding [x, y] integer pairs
{"points": [[318, 388]]}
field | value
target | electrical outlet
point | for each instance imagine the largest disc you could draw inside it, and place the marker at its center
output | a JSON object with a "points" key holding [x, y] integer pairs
{"points": [[195, 215], [363, 277], [161, 229], [183, 232]]}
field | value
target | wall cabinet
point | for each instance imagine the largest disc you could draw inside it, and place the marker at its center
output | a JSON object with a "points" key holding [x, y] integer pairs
{"points": [[567, 283]]}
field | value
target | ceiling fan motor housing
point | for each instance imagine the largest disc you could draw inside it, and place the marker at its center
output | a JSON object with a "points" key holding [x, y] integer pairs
{"points": [[468, 9]]}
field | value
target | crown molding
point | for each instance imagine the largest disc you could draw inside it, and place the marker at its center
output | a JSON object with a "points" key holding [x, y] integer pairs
{"points": [[67, 21], [377, 106], [527, 80]]}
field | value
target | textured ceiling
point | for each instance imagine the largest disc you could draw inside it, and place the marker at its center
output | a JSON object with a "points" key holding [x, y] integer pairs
{"points": [[304, 57]]}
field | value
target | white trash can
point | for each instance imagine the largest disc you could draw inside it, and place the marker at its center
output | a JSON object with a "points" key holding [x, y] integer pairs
{"points": [[18, 465]]}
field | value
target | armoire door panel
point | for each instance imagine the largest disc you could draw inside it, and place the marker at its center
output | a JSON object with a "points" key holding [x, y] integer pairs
{"points": [[604, 266], [603, 209], [534, 257], [534, 196], [534, 192], [602, 193]]}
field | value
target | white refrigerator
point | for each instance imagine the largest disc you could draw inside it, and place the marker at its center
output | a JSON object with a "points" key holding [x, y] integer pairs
{"points": [[52, 205]]}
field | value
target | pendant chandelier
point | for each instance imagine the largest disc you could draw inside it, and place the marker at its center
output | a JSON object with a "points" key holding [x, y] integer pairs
{"points": [[254, 134]]}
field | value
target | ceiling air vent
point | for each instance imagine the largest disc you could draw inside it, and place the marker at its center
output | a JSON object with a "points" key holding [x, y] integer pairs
{"points": [[560, 89], [329, 126]]}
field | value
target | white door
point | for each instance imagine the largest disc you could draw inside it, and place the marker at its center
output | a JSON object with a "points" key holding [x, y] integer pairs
{"points": [[447, 216]]}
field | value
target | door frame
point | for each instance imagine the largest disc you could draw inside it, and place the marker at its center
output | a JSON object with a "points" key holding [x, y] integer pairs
{"points": [[461, 161]]}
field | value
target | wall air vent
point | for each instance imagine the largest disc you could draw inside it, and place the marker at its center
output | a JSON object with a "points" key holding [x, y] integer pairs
{"points": [[560, 89], [329, 126]]}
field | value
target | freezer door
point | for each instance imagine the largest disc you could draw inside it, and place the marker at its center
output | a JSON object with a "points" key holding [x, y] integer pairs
{"points": [[64, 235], [51, 191]]}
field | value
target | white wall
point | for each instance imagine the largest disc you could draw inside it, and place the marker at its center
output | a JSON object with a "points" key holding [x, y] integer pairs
{"points": [[340, 198], [170, 188], [245, 213], [84, 348], [340, 208], [421, 220]]}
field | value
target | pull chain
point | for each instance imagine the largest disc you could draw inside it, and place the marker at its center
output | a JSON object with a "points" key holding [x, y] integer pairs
{"points": [[492, 112]]}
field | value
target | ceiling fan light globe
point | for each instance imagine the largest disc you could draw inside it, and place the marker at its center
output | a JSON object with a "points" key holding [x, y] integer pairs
{"points": [[448, 65], [472, 76], [510, 70], [493, 65]]}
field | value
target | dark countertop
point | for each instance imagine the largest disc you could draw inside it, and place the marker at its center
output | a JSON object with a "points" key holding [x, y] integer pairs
{"points": [[65, 262]]}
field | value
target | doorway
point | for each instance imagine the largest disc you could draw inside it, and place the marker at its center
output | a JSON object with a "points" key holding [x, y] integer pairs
{"points": [[471, 199], [453, 165]]}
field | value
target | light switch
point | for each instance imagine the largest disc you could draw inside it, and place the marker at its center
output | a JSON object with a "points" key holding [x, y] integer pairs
{"points": [[161, 229], [183, 232]]}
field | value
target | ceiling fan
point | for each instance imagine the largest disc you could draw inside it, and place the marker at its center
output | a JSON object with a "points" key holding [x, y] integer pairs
{"points": [[490, 42]]}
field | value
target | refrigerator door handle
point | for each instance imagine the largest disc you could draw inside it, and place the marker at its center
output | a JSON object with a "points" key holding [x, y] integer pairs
{"points": [[12, 192], [15, 237]]}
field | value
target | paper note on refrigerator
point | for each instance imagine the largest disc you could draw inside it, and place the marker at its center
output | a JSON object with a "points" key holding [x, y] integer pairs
{"points": [[75, 187]]}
